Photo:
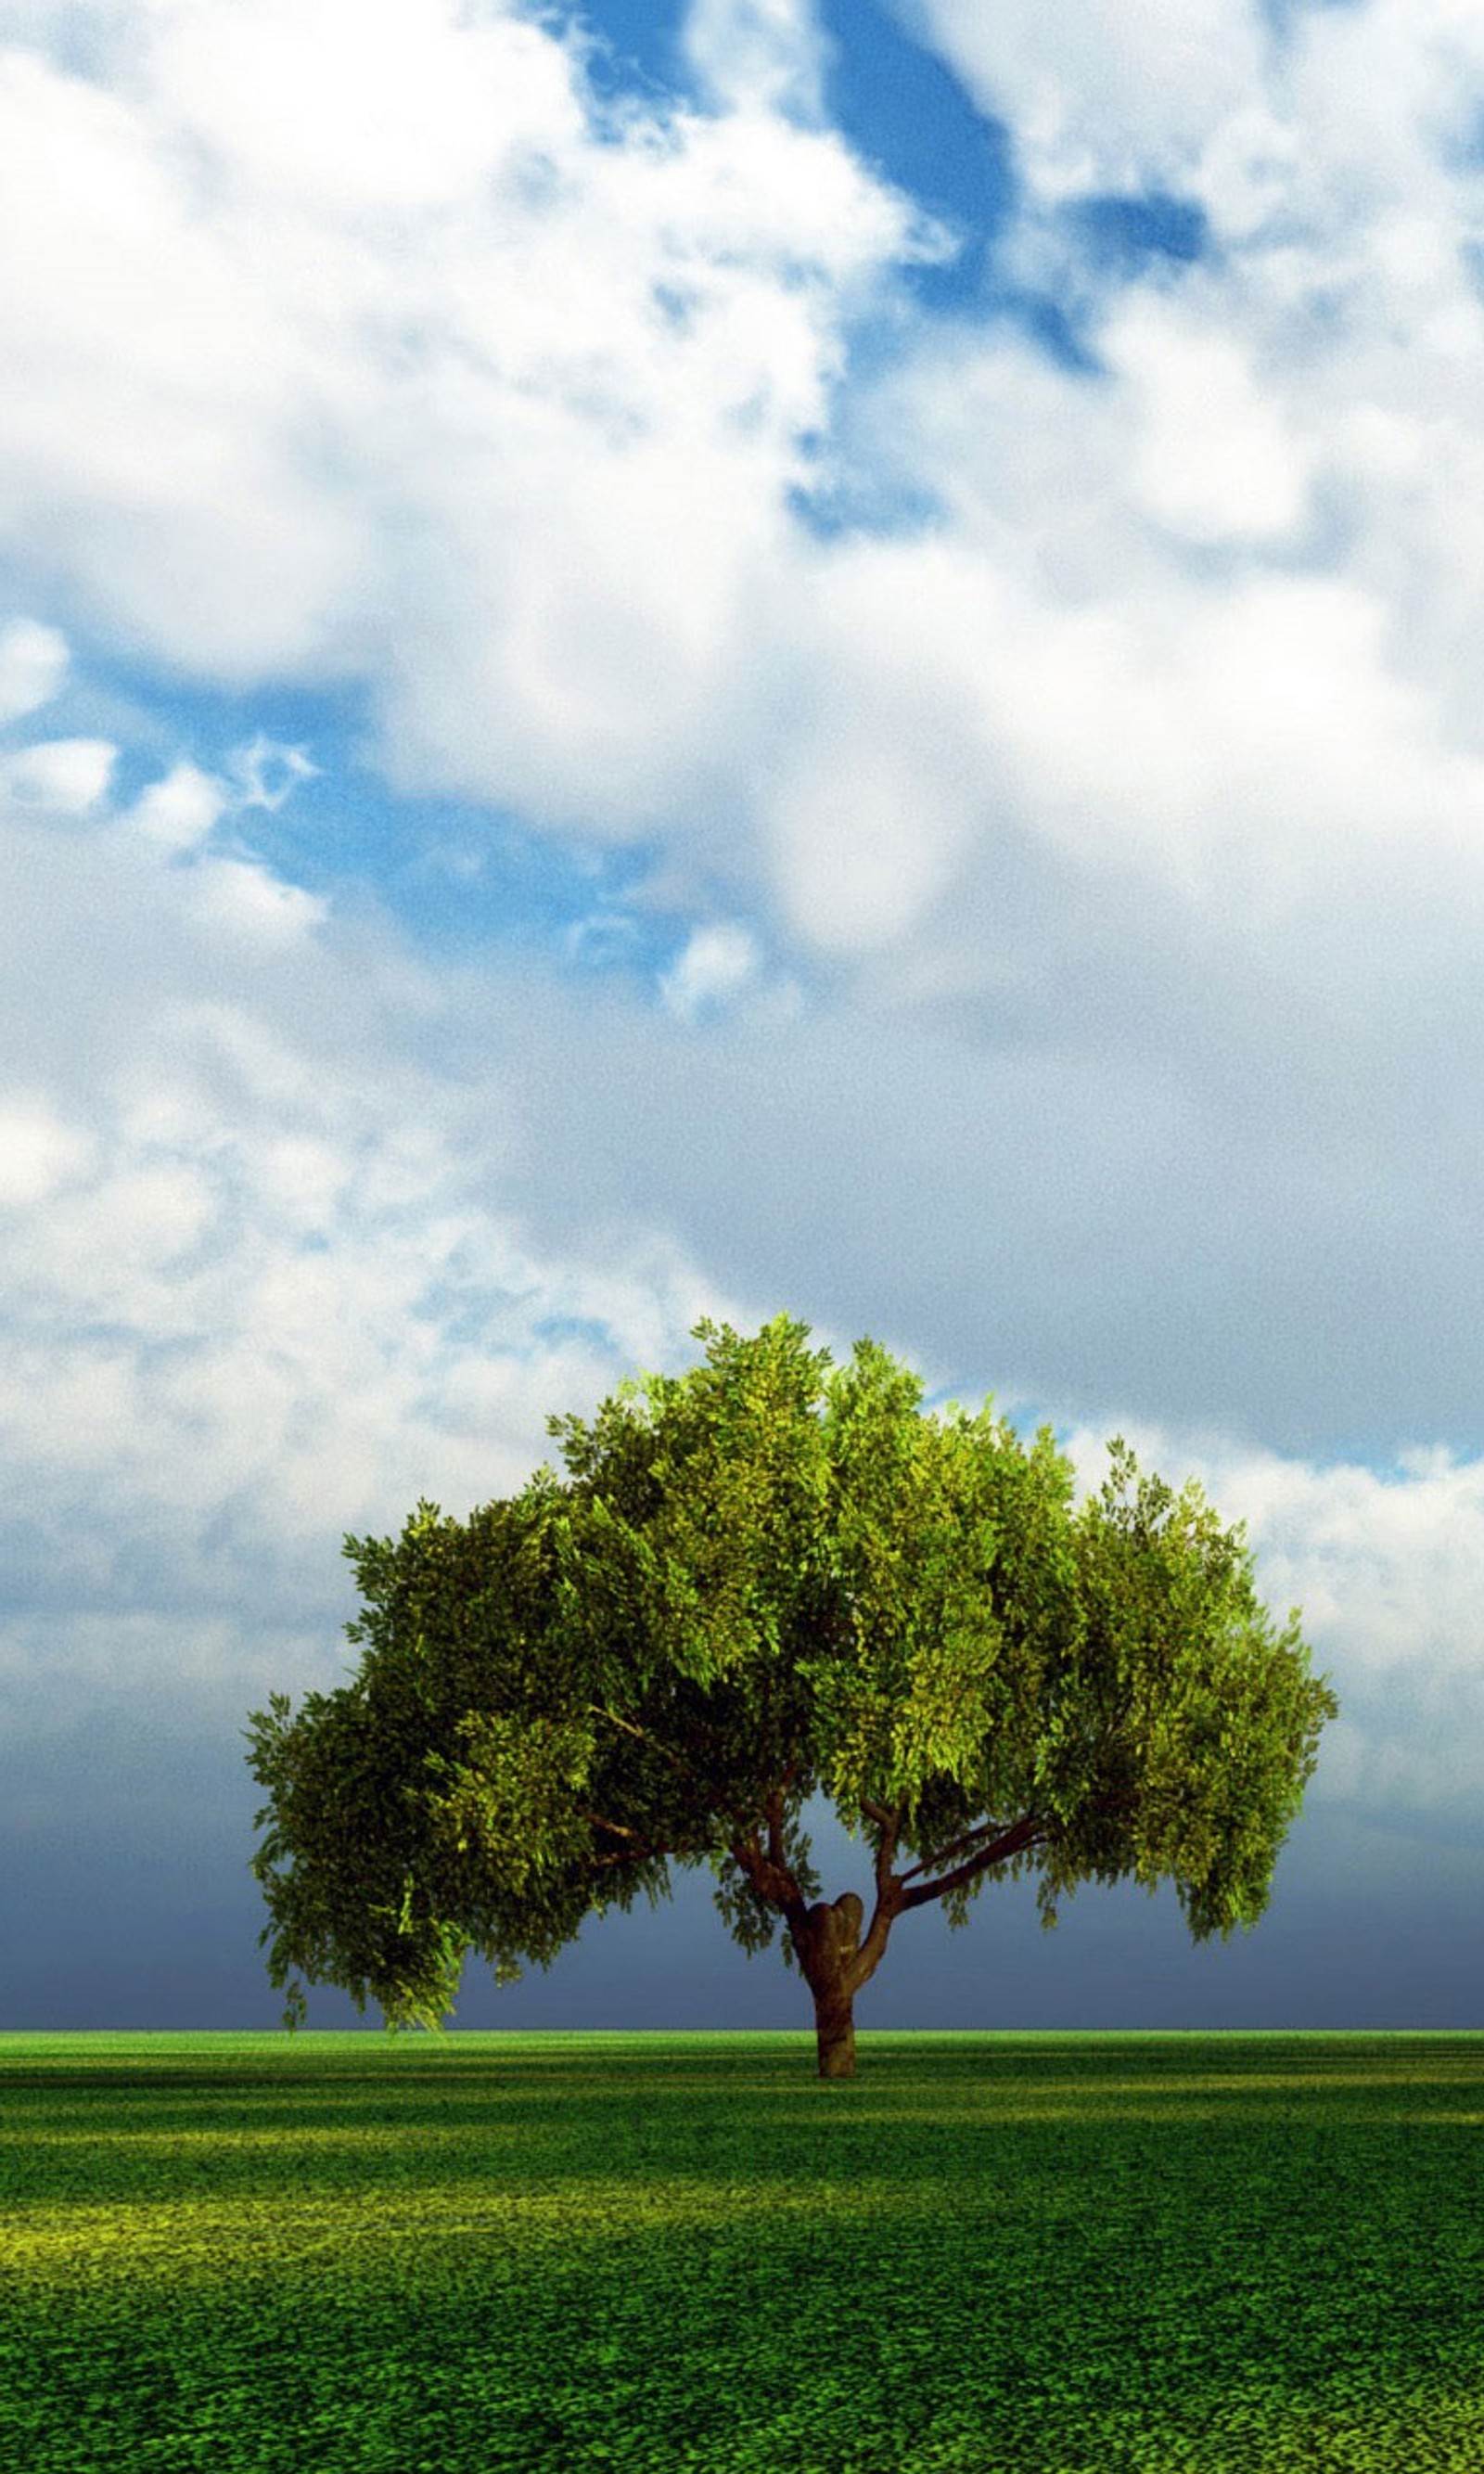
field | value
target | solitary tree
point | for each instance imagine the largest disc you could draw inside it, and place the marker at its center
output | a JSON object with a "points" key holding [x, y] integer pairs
{"points": [[764, 1577]]}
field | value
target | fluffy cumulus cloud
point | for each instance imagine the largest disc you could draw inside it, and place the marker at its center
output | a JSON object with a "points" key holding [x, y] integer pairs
{"points": [[386, 352], [180, 810], [372, 348], [764, 52], [66, 776], [1206, 608]]}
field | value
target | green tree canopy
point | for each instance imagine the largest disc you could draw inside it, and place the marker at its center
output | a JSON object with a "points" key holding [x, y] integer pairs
{"points": [[765, 1577]]}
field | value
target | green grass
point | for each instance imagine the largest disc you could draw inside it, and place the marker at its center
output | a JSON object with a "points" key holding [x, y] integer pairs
{"points": [[514, 2253]]}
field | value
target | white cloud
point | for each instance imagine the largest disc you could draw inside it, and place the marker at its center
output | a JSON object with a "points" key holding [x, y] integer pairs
{"points": [[64, 776], [1215, 459], [867, 827], [251, 768], [38, 1153], [1209, 616], [363, 346], [140, 438], [713, 968], [1102, 96], [32, 665], [762, 54], [180, 810], [408, 109], [253, 903], [1306, 398], [1180, 737], [1387, 1567], [420, 375]]}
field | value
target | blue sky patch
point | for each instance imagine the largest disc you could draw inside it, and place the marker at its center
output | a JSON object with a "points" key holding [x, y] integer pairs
{"points": [[904, 112], [1128, 236]]}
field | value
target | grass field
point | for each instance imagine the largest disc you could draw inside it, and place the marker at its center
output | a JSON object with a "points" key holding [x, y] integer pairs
{"points": [[544, 2253]]}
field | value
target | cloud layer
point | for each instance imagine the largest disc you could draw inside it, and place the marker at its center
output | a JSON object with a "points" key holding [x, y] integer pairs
{"points": [[272, 1275], [1079, 865], [402, 360]]}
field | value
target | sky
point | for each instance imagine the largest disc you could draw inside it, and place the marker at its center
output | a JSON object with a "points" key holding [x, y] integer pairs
{"points": [[657, 660]]}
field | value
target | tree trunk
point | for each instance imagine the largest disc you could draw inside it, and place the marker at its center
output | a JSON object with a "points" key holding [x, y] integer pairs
{"points": [[836, 2028], [832, 1935]]}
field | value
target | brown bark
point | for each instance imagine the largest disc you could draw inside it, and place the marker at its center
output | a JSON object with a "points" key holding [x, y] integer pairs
{"points": [[833, 1959], [1005, 1842], [835, 2028], [832, 1934]]}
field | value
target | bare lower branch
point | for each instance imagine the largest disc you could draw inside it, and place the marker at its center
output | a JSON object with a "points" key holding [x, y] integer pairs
{"points": [[980, 1830], [1033, 1831]]}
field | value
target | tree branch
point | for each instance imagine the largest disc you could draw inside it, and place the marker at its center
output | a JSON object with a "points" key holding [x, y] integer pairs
{"points": [[980, 1830], [639, 1849], [595, 1710], [772, 1882], [775, 1811], [890, 1900], [695, 1794], [769, 1874], [887, 1819], [1029, 1833], [619, 1831]]}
